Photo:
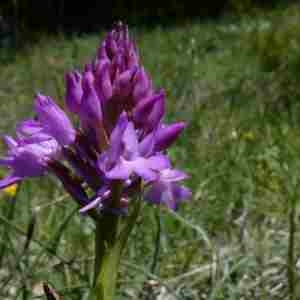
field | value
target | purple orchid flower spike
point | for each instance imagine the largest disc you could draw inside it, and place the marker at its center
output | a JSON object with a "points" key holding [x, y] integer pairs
{"points": [[121, 137], [117, 153]]}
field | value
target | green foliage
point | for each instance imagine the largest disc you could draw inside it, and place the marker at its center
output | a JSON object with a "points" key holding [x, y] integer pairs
{"points": [[242, 6], [28, 19], [276, 43]]}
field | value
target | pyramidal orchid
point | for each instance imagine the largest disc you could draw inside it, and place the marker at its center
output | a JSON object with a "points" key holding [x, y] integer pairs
{"points": [[118, 152]]}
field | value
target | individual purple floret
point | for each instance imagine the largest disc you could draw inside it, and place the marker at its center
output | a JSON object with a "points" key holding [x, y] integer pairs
{"points": [[26, 159], [123, 159], [166, 190], [120, 143], [73, 91], [54, 121]]}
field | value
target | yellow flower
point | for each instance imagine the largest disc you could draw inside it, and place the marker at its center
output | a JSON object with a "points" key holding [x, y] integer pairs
{"points": [[249, 136], [11, 190]]}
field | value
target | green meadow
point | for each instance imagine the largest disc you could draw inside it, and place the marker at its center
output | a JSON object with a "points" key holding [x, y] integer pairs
{"points": [[236, 82]]}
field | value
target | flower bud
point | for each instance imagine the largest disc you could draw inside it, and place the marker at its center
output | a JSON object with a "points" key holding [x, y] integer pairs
{"points": [[166, 135], [73, 91], [54, 120]]}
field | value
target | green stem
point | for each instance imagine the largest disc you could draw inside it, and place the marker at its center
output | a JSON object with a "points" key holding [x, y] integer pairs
{"points": [[106, 239], [110, 240]]}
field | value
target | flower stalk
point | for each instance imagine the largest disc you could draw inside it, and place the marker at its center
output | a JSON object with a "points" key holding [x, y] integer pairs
{"points": [[107, 257], [110, 239]]}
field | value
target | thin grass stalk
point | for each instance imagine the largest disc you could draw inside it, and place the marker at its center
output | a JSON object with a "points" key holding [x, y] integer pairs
{"points": [[5, 231], [291, 249], [157, 243]]}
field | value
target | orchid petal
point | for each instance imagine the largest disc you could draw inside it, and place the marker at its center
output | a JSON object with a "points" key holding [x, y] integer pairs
{"points": [[121, 171], [159, 162], [54, 120], [73, 91], [167, 135], [130, 142]]}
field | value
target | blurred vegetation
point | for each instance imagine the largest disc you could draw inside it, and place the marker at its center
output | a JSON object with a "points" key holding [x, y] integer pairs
{"points": [[276, 44], [26, 20], [235, 81]]}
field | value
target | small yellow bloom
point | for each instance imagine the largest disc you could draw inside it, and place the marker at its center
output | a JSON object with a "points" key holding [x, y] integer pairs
{"points": [[249, 136], [11, 190]]}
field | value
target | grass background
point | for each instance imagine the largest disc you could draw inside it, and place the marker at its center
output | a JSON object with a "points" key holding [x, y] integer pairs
{"points": [[235, 81]]}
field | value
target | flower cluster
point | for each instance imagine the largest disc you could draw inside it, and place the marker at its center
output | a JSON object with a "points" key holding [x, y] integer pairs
{"points": [[121, 140]]}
